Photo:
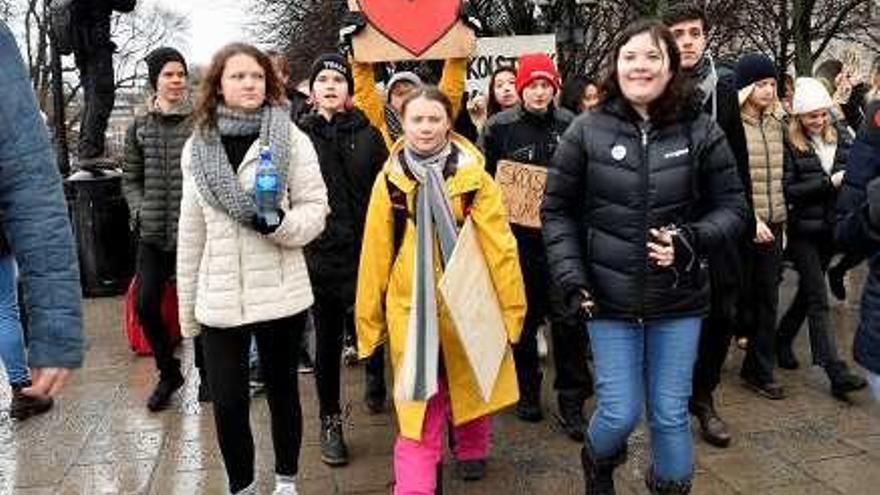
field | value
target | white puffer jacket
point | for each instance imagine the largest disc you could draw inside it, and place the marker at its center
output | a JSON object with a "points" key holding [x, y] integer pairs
{"points": [[229, 275]]}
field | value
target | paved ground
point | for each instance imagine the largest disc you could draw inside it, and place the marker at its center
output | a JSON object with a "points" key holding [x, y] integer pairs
{"points": [[100, 439]]}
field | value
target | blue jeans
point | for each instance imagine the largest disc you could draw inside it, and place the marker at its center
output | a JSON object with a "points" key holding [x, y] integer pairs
{"points": [[11, 336], [649, 362]]}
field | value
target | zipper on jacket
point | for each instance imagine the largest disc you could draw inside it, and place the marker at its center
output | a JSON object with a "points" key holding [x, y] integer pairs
{"points": [[646, 175], [769, 169]]}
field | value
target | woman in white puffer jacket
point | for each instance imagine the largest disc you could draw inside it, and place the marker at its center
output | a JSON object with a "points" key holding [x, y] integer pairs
{"points": [[239, 273]]}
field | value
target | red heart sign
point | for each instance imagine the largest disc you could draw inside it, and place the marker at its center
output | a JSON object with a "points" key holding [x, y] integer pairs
{"points": [[415, 25]]}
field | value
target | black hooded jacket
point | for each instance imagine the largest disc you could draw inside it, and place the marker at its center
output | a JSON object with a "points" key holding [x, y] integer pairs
{"points": [[351, 153]]}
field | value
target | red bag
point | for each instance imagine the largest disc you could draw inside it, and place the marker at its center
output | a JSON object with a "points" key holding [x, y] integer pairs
{"points": [[133, 328]]}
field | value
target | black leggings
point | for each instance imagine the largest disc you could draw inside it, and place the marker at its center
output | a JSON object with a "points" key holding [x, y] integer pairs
{"points": [[331, 316], [155, 268], [226, 362]]}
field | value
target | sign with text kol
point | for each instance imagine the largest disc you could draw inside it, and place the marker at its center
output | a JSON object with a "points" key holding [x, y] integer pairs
{"points": [[492, 53]]}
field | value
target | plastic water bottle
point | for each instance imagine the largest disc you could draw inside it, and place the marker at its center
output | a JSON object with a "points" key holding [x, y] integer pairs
{"points": [[266, 188]]}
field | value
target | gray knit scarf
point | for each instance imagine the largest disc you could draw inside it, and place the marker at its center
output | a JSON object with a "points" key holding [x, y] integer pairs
{"points": [[706, 79], [433, 216], [214, 176]]}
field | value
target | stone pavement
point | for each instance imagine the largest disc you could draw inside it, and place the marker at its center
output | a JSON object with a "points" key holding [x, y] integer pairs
{"points": [[100, 439]]}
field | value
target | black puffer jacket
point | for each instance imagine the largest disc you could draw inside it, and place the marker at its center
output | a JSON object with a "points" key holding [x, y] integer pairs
{"points": [[613, 178], [152, 180], [351, 153], [809, 195], [523, 136]]}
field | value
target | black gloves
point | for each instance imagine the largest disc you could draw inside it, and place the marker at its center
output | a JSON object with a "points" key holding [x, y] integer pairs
{"points": [[579, 306], [470, 16], [352, 23], [259, 223]]}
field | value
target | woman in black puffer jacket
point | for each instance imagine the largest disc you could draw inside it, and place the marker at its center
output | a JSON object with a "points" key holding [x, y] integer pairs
{"points": [[638, 193], [815, 161]]}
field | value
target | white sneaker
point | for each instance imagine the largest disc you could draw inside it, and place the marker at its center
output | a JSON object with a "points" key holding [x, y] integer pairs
{"points": [[248, 490], [285, 485]]}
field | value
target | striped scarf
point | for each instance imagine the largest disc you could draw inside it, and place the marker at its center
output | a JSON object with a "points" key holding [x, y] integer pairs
{"points": [[418, 381]]}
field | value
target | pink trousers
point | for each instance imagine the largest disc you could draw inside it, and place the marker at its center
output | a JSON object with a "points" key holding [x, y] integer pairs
{"points": [[415, 462]]}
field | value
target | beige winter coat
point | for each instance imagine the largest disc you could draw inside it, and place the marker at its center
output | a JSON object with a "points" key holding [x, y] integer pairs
{"points": [[764, 140], [229, 275]]}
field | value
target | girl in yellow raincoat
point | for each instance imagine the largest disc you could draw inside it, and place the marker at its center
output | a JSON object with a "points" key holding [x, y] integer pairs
{"points": [[439, 177]]}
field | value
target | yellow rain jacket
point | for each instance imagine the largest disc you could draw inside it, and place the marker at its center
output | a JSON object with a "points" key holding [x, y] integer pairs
{"points": [[384, 292], [370, 101]]}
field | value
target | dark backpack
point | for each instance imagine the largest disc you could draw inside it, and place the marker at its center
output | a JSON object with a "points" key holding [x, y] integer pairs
{"points": [[400, 211]]}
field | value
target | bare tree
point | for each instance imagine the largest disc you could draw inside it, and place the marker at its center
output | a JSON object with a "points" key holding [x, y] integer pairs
{"points": [[800, 31], [6, 10]]}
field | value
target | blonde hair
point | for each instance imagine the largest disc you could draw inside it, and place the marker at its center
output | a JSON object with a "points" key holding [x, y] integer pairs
{"points": [[797, 136]]}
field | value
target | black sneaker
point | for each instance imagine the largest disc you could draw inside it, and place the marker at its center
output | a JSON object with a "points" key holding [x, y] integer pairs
{"points": [[333, 449], [24, 406], [472, 470], [161, 396], [844, 382], [769, 390], [571, 415]]}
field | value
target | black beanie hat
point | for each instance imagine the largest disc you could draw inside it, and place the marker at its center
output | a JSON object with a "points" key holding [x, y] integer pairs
{"points": [[157, 59], [332, 61], [752, 68]]}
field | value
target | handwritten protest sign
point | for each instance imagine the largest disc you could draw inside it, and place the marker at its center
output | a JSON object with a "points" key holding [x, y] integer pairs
{"points": [[491, 53], [470, 295], [522, 187], [411, 30]]}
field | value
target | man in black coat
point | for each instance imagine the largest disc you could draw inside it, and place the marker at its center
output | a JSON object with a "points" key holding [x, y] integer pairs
{"points": [[87, 32], [718, 97]]}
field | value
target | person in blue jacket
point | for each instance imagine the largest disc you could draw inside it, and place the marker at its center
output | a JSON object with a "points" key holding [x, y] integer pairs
{"points": [[858, 230], [37, 227]]}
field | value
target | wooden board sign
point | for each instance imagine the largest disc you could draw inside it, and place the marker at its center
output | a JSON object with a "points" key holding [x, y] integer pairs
{"points": [[411, 30], [522, 186]]}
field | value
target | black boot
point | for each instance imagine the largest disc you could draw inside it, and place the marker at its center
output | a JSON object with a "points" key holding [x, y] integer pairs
{"points": [[843, 381], [471, 470], [666, 487], [334, 452], [713, 429], [571, 413], [170, 381], [599, 473], [23, 406], [529, 406]]}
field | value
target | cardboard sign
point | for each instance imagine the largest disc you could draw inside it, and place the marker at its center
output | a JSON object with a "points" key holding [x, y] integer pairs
{"points": [[469, 293], [522, 187], [491, 53], [411, 30]]}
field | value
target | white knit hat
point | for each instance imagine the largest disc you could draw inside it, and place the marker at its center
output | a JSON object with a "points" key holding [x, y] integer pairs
{"points": [[809, 95]]}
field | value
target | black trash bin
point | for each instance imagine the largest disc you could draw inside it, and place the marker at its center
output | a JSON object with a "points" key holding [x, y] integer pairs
{"points": [[99, 216]]}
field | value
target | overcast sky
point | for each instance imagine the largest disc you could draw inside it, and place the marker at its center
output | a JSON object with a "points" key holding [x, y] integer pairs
{"points": [[214, 23]]}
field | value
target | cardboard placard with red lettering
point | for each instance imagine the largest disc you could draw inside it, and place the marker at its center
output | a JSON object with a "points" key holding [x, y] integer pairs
{"points": [[411, 30], [522, 187]]}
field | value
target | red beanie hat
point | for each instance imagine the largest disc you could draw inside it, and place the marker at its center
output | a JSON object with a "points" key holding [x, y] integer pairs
{"points": [[534, 66]]}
